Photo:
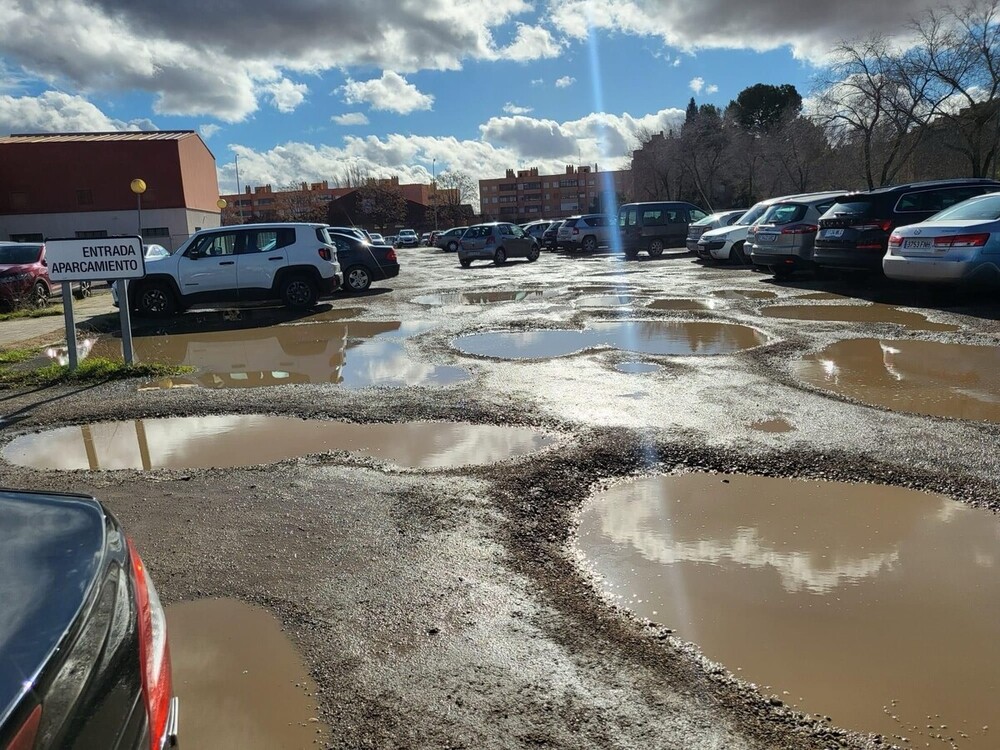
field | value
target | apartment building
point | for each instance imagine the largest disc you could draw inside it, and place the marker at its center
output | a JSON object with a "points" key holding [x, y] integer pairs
{"points": [[525, 195]]}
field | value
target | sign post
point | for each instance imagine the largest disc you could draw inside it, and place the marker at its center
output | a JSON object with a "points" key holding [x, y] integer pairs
{"points": [[106, 259]]}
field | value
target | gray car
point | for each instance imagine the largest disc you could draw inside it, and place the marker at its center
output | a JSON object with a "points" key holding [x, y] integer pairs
{"points": [[496, 241], [586, 233], [448, 241], [786, 234]]}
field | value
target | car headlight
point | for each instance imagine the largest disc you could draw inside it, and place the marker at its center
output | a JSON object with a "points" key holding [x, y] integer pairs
{"points": [[10, 278]]}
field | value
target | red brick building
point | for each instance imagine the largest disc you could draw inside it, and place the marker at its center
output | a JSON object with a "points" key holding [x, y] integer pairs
{"points": [[527, 195]]}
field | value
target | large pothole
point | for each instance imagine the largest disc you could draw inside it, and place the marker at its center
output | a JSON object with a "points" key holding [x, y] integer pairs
{"points": [[875, 313]]}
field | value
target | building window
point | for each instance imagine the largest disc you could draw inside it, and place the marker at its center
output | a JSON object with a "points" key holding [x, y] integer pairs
{"points": [[265, 201], [150, 232], [26, 238], [532, 186], [84, 197], [567, 183], [92, 235], [18, 200]]}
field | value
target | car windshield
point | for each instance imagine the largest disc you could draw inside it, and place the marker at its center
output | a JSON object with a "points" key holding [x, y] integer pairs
{"points": [[751, 216], [851, 208], [18, 254], [983, 208], [784, 213]]}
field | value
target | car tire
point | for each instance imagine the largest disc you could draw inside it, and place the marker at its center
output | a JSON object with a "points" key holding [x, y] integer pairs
{"points": [[299, 292], [39, 294], [155, 299], [465, 263], [781, 272], [357, 279], [453, 247], [736, 254], [656, 248], [631, 254], [589, 244], [533, 253], [500, 257]]}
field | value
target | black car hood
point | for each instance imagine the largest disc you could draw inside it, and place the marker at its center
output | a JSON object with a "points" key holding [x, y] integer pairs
{"points": [[51, 550]]}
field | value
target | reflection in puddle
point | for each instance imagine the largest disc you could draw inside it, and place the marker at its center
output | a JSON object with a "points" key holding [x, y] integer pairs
{"points": [[606, 300], [821, 296], [685, 304], [235, 440], [240, 681], [857, 314], [602, 289], [919, 377], [773, 425], [644, 337], [354, 354], [744, 294], [849, 597], [637, 368], [481, 298]]}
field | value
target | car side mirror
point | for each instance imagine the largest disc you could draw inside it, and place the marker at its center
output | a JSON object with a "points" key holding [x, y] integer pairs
{"points": [[45, 263], [193, 254]]}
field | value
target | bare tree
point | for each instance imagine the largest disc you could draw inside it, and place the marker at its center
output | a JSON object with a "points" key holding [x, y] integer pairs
{"points": [[381, 204], [295, 203]]}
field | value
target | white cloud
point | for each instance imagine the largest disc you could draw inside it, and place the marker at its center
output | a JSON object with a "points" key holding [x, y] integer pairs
{"points": [[537, 81], [208, 130], [391, 92], [676, 63], [711, 89], [512, 109], [531, 43], [57, 112], [697, 84], [350, 118], [286, 95], [565, 82]]}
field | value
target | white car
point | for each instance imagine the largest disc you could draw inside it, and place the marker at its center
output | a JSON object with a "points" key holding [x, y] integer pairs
{"points": [[407, 238], [292, 263], [377, 239], [728, 243]]}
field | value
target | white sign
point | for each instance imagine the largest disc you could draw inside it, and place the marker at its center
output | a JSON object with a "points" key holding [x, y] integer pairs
{"points": [[104, 259]]}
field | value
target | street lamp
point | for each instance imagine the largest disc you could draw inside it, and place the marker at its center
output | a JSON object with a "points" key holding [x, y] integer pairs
{"points": [[221, 203], [434, 189], [138, 187]]}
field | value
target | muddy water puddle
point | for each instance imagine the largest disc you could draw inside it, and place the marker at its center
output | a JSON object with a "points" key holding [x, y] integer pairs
{"points": [[239, 440], [778, 424], [744, 294], [644, 337], [686, 304], [352, 354], [877, 606], [482, 298], [608, 300], [917, 377], [240, 681], [638, 368], [857, 314]]}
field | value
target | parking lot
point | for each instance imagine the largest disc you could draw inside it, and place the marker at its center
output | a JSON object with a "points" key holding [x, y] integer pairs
{"points": [[436, 578]]}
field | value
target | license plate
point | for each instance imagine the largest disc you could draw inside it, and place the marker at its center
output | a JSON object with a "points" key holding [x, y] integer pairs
{"points": [[764, 238], [831, 233], [917, 244]]}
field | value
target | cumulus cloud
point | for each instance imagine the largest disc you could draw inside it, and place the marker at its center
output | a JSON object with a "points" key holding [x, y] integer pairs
{"points": [[697, 84], [711, 89], [565, 82], [512, 109], [57, 112], [391, 92], [350, 118], [286, 95], [530, 43], [208, 130]]}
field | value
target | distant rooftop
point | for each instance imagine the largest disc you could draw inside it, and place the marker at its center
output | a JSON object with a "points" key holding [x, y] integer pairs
{"points": [[130, 135]]}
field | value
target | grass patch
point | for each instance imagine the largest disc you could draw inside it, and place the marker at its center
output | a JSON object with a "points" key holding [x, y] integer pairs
{"points": [[91, 370], [16, 356], [31, 312]]}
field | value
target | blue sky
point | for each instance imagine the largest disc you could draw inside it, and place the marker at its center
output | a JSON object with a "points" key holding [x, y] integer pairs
{"points": [[445, 84]]}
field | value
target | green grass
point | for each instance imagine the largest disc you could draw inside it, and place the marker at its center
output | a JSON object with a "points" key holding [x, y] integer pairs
{"points": [[31, 312], [16, 356], [91, 370]]}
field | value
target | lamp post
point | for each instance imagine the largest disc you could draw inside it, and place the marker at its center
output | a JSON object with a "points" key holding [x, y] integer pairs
{"points": [[434, 189], [138, 187], [221, 203]]}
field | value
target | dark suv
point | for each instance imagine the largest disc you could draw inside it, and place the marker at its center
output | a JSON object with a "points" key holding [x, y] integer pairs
{"points": [[24, 275], [854, 233]]}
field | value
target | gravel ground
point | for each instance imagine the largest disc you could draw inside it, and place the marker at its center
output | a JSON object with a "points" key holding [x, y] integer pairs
{"points": [[443, 608]]}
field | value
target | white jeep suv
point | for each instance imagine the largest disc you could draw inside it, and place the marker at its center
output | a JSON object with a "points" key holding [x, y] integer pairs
{"points": [[292, 263]]}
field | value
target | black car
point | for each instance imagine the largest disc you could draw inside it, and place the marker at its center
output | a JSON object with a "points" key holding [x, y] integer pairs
{"points": [[854, 232], [550, 237], [84, 658], [362, 263]]}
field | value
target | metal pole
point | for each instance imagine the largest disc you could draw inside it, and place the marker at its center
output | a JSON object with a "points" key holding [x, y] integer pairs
{"points": [[67, 297], [239, 190], [435, 188], [125, 318], [138, 215]]}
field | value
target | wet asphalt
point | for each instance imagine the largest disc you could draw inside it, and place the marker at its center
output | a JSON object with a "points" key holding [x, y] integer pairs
{"points": [[443, 608]]}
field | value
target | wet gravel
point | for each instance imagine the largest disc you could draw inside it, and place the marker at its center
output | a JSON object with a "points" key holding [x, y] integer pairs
{"points": [[444, 608]]}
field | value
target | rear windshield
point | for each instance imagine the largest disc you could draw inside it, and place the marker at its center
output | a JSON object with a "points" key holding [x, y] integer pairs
{"points": [[570, 223], [784, 213], [473, 232], [984, 208], [11, 254], [751, 216], [852, 208]]}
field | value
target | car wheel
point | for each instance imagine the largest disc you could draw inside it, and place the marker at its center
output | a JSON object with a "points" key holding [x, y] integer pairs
{"points": [[500, 256], [155, 299], [656, 248], [589, 244], [465, 263], [39, 294], [453, 247], [358, 279], [298, 292], [533, 254], [737, 256], [631, 253], [781, 272]]}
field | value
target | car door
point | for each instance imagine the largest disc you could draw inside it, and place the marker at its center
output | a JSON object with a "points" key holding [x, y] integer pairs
{"points": [[261, 255], [348, 254], [518, 241], [207, 269]]}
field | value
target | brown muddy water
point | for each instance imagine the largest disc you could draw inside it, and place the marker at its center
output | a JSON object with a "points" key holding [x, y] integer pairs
{"points": [[773, 425], [857, 314], [352, 354], [238, 440], [686, 304], [607, 300], [482, 298], [744, 294], [637, 368], [240, 681], [917, 377], [877, 606], [644, 337]]}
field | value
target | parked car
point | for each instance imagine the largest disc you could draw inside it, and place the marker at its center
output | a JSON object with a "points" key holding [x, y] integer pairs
{"points": [[713, 221], [959, 244], [655, 226], [24, 275], [425, 239], [83, 637], [733, 243], [587, 233], [550, 237], [377, 239], [496, 241], [391, 240], [362, 262], [784, 237], [449, 240], [292, 263], [537, 229], [854, 233], [353, 231], [407, 238]]}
